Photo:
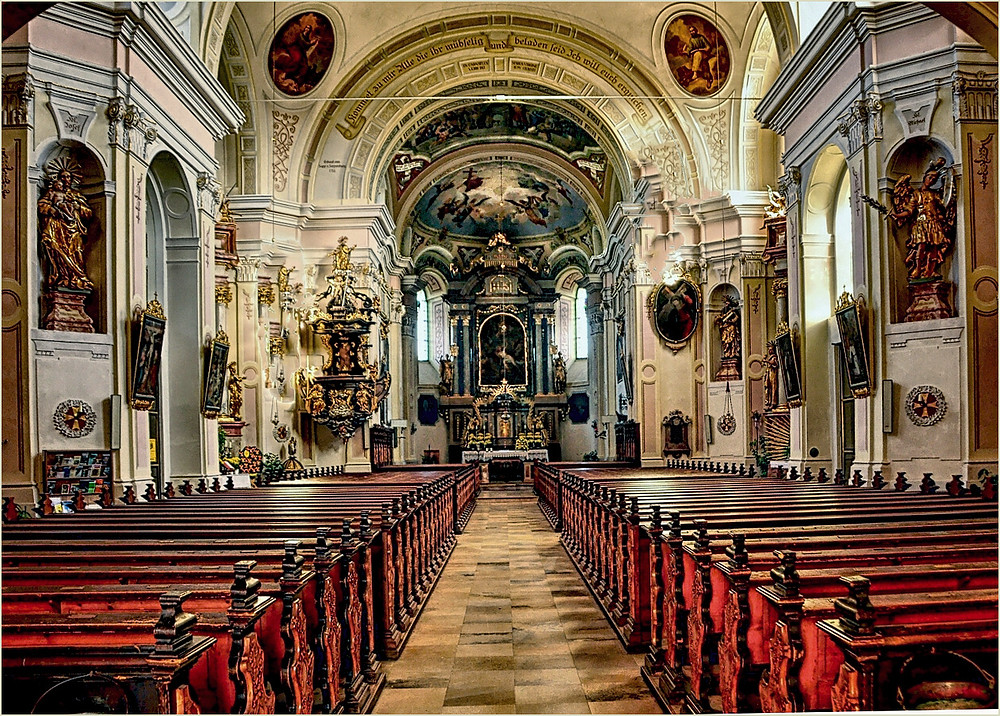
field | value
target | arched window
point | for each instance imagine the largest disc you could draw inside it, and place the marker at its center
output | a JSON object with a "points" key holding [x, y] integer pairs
{"points": [[843, 242], [423, 328], [581, 323]]}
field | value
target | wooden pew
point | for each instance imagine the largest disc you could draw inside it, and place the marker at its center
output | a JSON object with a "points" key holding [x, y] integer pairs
{"points": [[401, 551], [602, 532]]}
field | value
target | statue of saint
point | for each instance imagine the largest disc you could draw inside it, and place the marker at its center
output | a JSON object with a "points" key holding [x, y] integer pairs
{"points": [[771, 376], [235, 385], [63, 215], [931, 217], [447, 384], [728, 323], [559, 374]]}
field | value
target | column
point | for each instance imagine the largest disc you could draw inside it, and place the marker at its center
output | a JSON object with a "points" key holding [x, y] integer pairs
{"points": [[409, 360]]}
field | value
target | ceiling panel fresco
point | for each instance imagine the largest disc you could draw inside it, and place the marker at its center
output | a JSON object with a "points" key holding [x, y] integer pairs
{"points": [[512, 197], [486, 122]]}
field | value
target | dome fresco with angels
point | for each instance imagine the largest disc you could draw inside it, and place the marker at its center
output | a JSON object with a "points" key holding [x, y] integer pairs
{"points": [[481, 199]]}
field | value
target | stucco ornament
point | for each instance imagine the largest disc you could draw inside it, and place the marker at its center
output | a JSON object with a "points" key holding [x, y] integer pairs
{"points": [[925, 405], [74, 418]]}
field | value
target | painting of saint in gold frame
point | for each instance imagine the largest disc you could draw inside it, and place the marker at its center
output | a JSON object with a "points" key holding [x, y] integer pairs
{"points": [[503, 351], [215, 376], [675, 308], [697, 55], [148, 346], [854, 344], [788, 361]]}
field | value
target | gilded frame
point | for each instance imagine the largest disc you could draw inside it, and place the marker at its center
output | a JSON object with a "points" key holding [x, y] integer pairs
{"points": [[786, 343], [146, 356], [675, 324], [479, 342], [214, 387], [852, 323]]}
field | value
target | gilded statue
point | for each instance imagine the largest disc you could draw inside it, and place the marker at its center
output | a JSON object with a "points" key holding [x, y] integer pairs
{"points": [[447, 384], [344, 357], [930, 215], [559, 374], [771, 376], [728, 323], [235, 385], [64, 214]]}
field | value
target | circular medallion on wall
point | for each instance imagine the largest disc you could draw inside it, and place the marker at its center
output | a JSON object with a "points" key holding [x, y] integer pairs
{"points": [[925, 405], [300, 53], [74, 418], [697, 55], [281, 433], [726, 424]]}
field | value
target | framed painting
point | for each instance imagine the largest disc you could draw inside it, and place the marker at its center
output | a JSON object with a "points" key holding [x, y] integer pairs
{"points": [[216, 360], [427, 410], [788, 361], [148, 346], [579, 408], [503, 351], [697, 55], [852, 323], [300, 53], [674, 309]]}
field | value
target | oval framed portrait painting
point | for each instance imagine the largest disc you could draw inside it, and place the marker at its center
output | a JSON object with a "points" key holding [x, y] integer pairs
{"points": [[674, 309], [300, 53], [697, 55]]}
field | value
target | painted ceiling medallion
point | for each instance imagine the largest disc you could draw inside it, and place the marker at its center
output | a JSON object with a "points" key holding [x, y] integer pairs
{"points": [[300, 53], [74, 418], [697, 55], [925, 405]]}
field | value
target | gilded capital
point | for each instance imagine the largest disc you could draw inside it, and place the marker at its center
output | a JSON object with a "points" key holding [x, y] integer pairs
{"points": [[265, 294], [223, 293], [780, 288]]}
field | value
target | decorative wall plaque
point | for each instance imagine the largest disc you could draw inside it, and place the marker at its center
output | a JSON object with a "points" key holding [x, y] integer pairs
{"points": [[74, 418], [925, 405]]}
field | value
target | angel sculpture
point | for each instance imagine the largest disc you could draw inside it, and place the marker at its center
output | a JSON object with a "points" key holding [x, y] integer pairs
{"points": [[930, 212]]}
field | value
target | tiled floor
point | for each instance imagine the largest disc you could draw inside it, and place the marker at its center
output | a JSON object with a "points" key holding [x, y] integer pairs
{"points": [[510, 628]]}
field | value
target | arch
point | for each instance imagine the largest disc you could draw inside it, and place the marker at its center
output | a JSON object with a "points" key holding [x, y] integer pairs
{"points": [[174, 239], [235, 71], [417, 60], [759, 147]]}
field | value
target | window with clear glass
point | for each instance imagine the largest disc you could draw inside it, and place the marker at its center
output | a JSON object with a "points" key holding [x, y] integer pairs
{"points": [[423, 328], [581, 323]]}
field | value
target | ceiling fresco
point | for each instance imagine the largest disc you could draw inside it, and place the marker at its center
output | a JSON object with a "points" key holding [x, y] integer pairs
{"points": [[515, 198], [463, 126]]}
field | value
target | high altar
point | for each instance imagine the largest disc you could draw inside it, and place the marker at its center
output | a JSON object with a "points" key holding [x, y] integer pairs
{"points": [[500, 392]]}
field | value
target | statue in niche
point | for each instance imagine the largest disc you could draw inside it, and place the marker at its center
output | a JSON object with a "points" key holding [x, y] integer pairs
{"points": [[559, 374], [930, 213], [235, 385], [64, 214], [771, 377], [447, 384], [728, 323]]}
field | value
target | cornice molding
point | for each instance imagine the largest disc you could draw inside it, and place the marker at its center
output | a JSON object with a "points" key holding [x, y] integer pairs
{"points": [[143, 28]]}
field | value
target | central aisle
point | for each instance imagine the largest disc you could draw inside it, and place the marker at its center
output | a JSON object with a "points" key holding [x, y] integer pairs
{"points": [[511, 628]]}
